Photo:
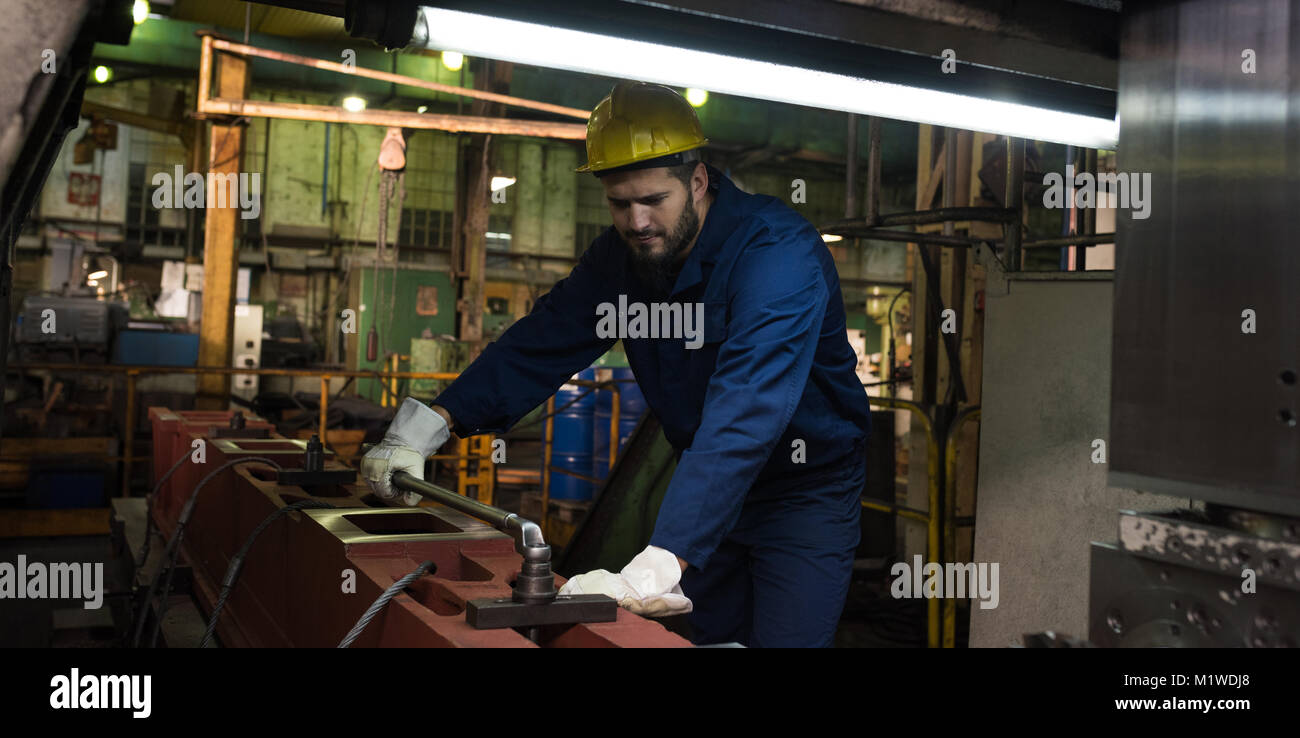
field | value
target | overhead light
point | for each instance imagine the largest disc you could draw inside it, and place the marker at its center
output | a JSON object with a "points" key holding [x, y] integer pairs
{"points": [[98, 275], [696, 97], [831, 238], [422, 109], [102, 74], [621, 58], [139, 11], [92, 283], [500, 183], [453, 60], [354, 104]]}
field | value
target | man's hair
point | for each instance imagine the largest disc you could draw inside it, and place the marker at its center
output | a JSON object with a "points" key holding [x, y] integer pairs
{"points": [[683, 173]]}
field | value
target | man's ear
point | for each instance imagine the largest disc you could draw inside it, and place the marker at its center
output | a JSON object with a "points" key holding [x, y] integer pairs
{"points": [[699, 180]]}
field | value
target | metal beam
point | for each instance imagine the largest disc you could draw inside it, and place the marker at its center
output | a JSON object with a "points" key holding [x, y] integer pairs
{"points": [[221, 232], [356, 71], [393, 118]]}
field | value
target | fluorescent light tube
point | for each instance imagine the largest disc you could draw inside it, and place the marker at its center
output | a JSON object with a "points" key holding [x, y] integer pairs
{"points": [[580, 51]]}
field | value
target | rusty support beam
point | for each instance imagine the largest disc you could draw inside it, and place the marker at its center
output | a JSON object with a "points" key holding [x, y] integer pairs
{"points": [[131, 118], [473, 205], [221, 233], [873, 169], [356, 71], [226, 105]]}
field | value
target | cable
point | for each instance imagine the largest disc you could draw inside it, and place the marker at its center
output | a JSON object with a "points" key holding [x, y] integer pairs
{"points": [[392, 291], [173, 550], [378, 605], [557, 410], [148, 515], [956, 384], [893, 335], [237, 563]]}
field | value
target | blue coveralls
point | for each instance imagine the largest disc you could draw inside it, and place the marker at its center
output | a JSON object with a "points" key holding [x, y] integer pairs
{"points": [[768, 417]]}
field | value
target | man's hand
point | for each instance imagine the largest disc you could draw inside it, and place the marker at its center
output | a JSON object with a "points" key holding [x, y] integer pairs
{"points": [[416, 432], [648, 585]]}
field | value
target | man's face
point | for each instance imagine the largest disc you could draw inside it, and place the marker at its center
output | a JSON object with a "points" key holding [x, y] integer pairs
{"points": [[655, 214]]}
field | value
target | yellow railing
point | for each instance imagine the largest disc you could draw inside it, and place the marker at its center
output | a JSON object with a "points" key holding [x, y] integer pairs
{"points": [[941, 629], [133, 372]]}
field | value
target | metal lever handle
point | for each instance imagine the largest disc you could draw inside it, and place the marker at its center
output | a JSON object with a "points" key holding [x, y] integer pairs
{"points": [[535, 582], [526, 533]]}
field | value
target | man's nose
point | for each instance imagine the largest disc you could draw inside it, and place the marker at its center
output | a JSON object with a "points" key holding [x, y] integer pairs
{"points": [[641, 218]]}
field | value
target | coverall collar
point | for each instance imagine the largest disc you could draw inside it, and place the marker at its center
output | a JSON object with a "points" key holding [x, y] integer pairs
{"points": [[719, 223]]}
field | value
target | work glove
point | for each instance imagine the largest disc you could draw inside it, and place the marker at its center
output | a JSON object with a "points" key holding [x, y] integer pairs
{"points": [[647, 586], [415, 433]]}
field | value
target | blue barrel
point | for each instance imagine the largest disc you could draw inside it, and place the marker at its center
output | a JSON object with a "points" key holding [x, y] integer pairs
{"points": [[571, 442], [631, 405]]}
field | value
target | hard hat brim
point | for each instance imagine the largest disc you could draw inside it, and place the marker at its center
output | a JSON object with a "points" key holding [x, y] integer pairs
{"points": [[648, 161]]}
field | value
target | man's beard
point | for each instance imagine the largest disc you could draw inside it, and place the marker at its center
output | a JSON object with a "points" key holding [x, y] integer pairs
{"points": [[659, 270]]}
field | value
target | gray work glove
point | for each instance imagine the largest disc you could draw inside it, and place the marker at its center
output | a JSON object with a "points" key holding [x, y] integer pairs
{"points": [[415, 433]]}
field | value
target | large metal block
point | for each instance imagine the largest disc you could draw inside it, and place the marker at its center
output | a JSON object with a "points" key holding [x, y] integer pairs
{"points": [[1137, 602], [312, 573], [1207, 324]]}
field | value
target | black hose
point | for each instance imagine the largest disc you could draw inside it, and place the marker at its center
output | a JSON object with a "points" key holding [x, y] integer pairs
{"points": [[173, 551], [949, 339], [237, 563], [148, 517]]}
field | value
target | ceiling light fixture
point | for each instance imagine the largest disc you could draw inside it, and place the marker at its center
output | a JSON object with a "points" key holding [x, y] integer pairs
{"points": [[621, 58]]}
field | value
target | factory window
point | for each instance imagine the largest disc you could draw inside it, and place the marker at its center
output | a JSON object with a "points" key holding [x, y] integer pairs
{"points": [[425, 228], [588, 232], [498, 240], [498, 232], [592, 213], [147, 225], [151, 153]]}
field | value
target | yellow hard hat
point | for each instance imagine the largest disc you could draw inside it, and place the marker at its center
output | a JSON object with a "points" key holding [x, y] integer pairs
{"points": [[638, 122]]}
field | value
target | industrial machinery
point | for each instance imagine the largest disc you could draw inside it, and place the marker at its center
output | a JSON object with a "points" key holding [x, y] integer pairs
{"points": [[246, 349], [69, 329], [1225, 578], [314, 569], [1204, 398]]}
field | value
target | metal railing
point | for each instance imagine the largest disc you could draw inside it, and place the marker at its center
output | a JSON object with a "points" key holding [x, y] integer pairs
{"points": [[548, 438], [941, 531], [133, 372]]}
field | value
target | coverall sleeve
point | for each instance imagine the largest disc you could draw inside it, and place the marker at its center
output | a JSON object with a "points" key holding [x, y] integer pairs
{"points": [[762, 367], [518, 371]]}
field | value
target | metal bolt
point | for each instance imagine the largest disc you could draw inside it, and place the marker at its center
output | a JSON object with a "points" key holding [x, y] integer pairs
{"points": [[1115, 621]]}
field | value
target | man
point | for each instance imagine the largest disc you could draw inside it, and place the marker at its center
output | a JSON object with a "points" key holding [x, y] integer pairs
{"points": [[758, 527]]}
